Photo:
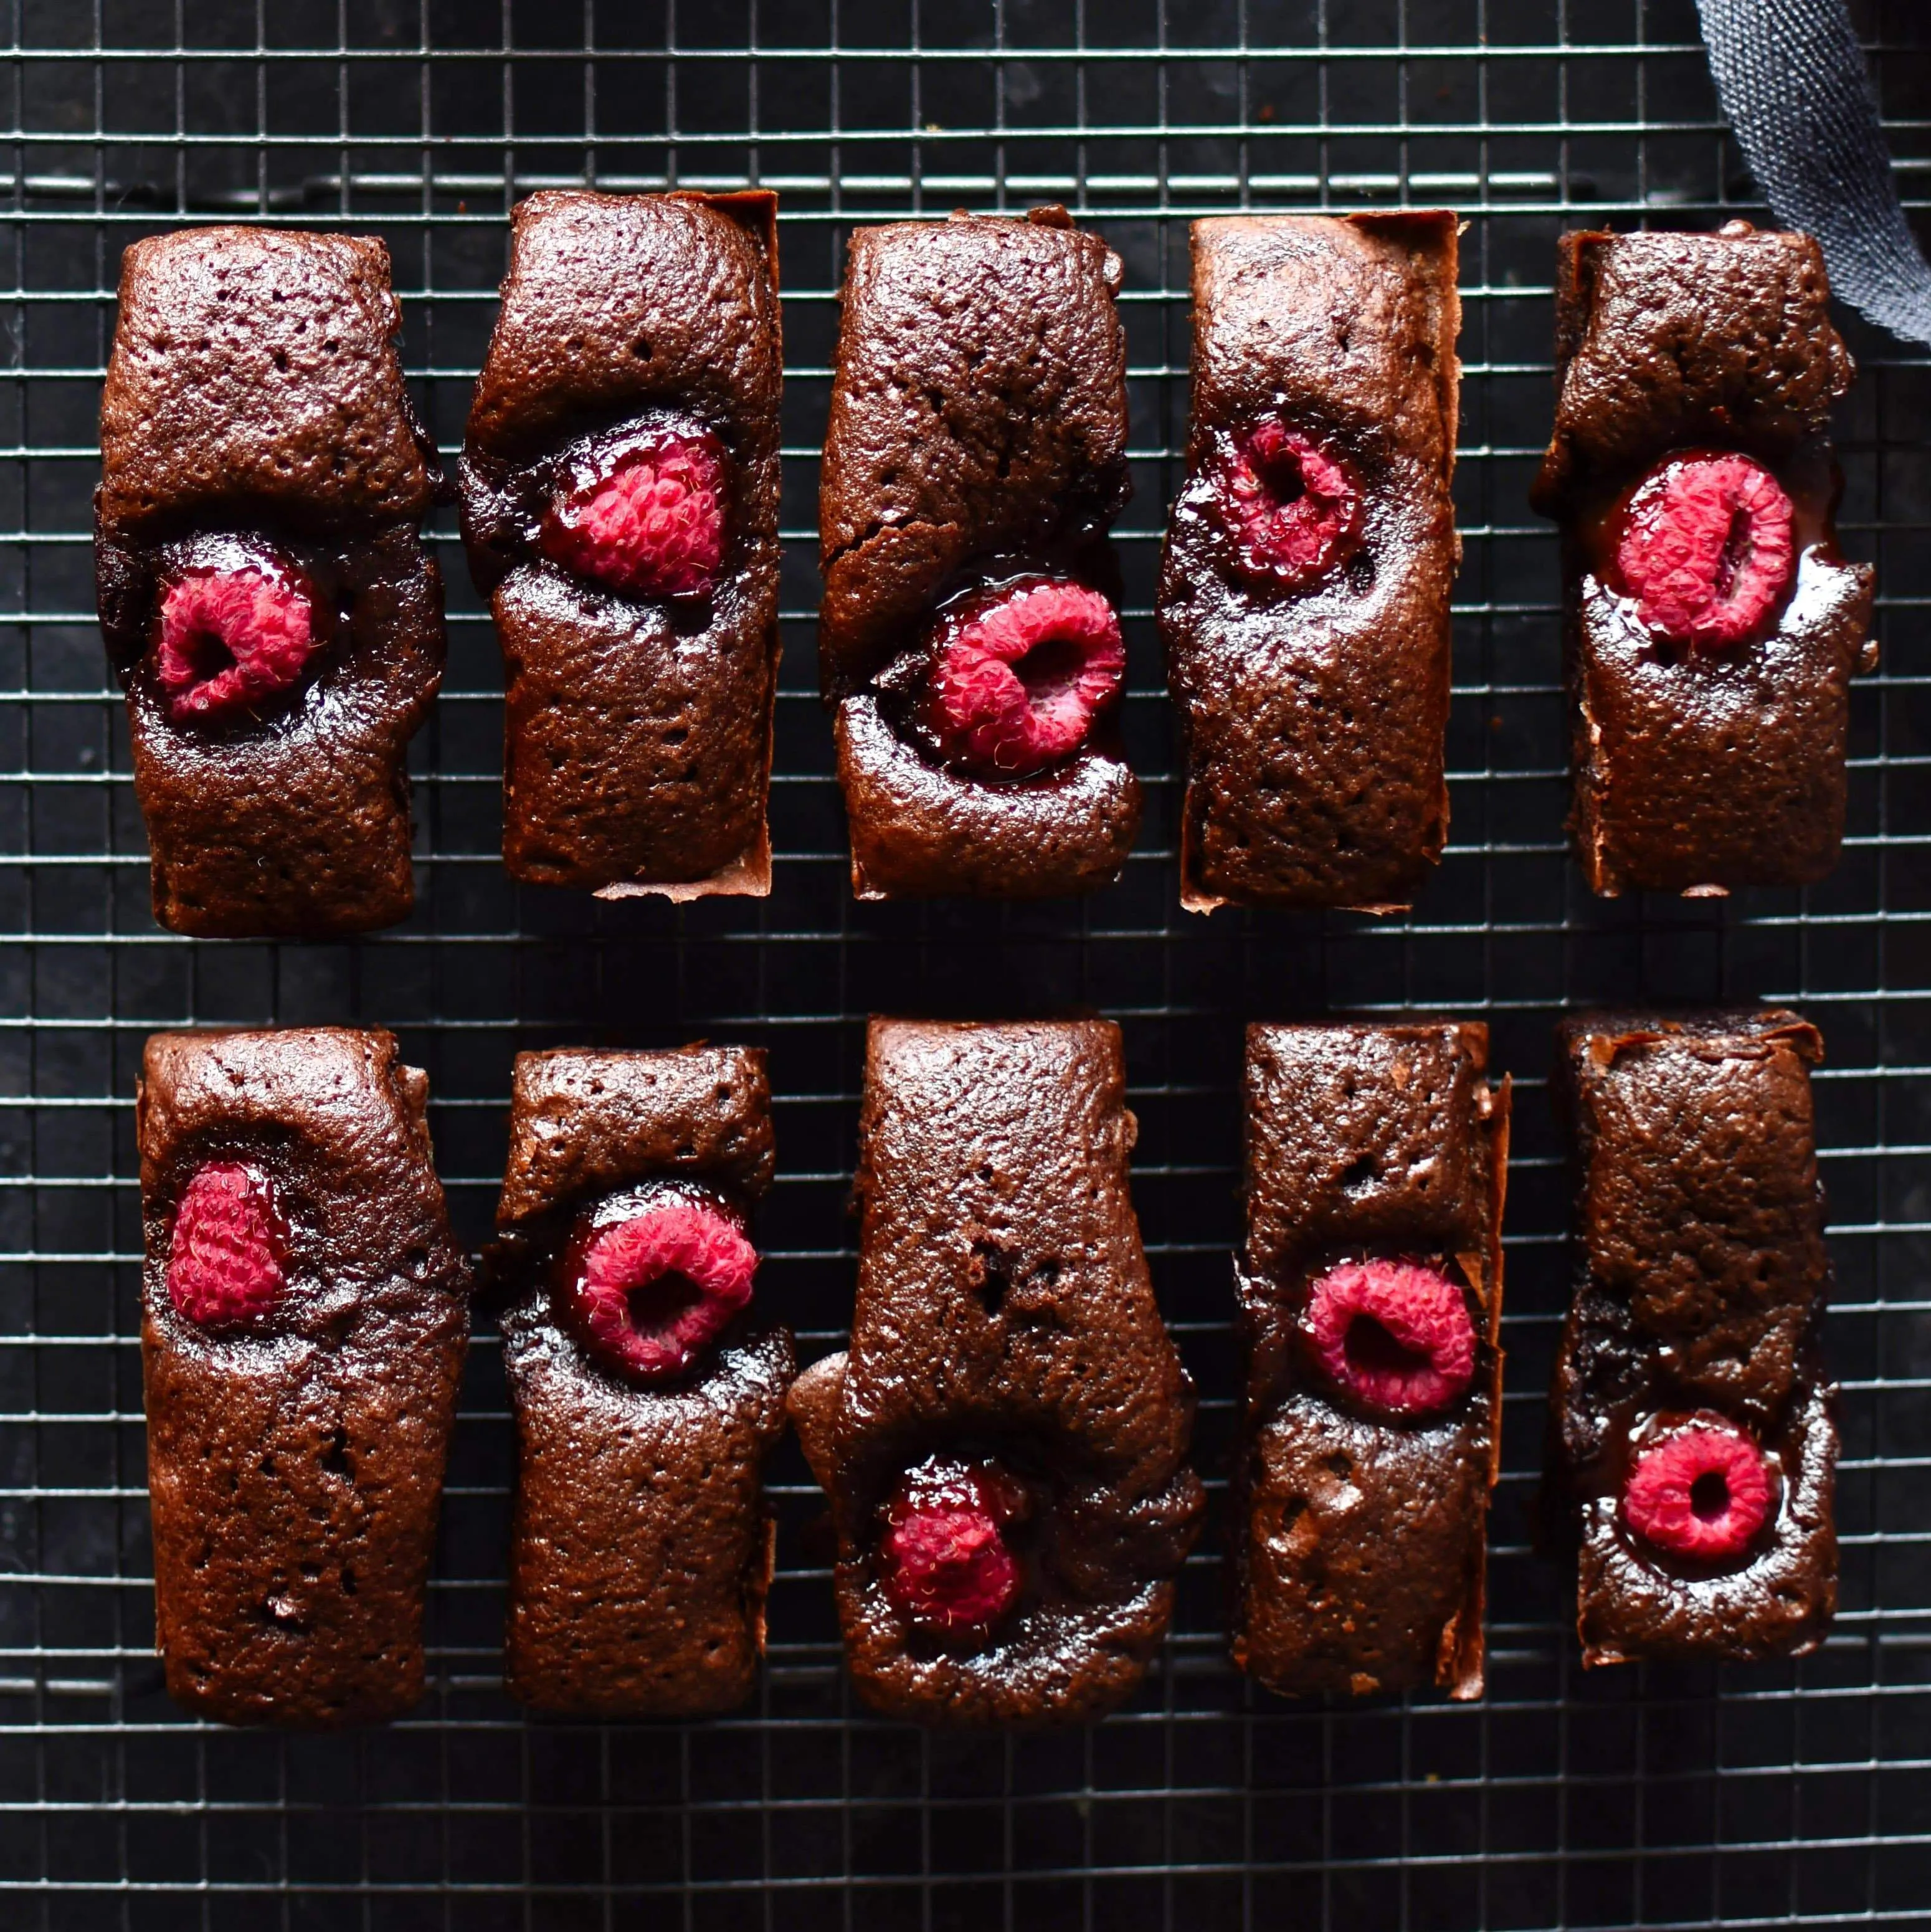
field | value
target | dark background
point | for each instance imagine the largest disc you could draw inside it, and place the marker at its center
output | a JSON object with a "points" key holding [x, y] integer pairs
{"points": [[1775, 1795]]}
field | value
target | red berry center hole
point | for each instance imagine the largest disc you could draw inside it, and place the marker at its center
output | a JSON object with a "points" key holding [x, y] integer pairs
{"points": [[1277, 463], [655, 1307], [1050, 670], [1735, 558], [1373, 1350], [207, 654], [1710, 1495]]}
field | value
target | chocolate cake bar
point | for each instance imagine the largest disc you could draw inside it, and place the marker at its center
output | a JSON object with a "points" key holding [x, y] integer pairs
{"points": [[264, 593], [303, 1314], [1712, 628], [619, 489], [1003, 1441], [1692, 1442], [1370, 1300], [970, 638], [1305, 586], [647, 1393]]}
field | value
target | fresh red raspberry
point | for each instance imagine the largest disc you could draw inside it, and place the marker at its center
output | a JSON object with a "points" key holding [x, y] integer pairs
{"points": [[1295, 511], [652, 527], [945, 1564], [230, 638], [1396, 1335], [225, 1264], [1707, 549], [1020, 678], [653, 1292], [1702, 1490]]}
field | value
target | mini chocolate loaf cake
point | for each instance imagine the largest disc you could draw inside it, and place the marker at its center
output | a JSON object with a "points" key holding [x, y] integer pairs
{"points": [[1003, 1442], [303, 1314], [1713, 629], [619, 489], [1371, 1300], [970, 637], [1305, 586], [1691, 1438], [263, 589], [646, 1394]]}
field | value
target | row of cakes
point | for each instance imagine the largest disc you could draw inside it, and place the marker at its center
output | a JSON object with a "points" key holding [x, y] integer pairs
{"points": [[1003, 1441], [269, 608]]}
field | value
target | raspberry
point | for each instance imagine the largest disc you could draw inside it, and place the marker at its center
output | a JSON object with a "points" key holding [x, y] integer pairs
{"points": [[225, 1261], [229, 639], [1396, 1335], [1019, 679], [1294, 509], [651, 527], [1702, 1490], [946, 1567], [1706, 550], [653, 1292]]}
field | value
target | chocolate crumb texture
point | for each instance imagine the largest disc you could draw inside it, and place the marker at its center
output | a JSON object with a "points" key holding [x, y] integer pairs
{"points": [[642, 1544], [1690, 1358], [1377, 1160], [264, 597], [1003, 1442], [296, 1441]]}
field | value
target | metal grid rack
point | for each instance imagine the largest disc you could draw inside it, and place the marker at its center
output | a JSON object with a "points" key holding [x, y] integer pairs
{"points": [[1797, 1794]]}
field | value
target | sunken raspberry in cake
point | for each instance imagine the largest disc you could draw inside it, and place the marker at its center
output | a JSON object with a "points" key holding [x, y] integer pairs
{"points": [[1003, 1441], [648, 1387], [1394, 1335], [232, 640], [944, 1559], [1304, 587], [1019, 673], [619, 488], [1701, 1488], [264, 593], [305, 1312], [1691, 1445], [1370, 1301], [228, 1256], [970, 640], [649, 524], [1713, 629]]}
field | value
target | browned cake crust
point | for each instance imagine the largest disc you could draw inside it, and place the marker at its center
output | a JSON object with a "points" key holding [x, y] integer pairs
{"points": [[1359, 1543], [1701, 1276], [637, 742], [254, 392], [1697, 771], [1004, 1305], [1314, 717], [978, 424], [642, 1547], [295, 1469]]}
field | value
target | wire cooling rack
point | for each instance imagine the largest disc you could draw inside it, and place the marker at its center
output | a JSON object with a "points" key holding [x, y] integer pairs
{"points": [[1775, 1795]]}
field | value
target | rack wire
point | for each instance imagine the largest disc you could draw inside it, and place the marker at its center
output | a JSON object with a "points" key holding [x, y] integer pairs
{"points": [[1794, 1794]]}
